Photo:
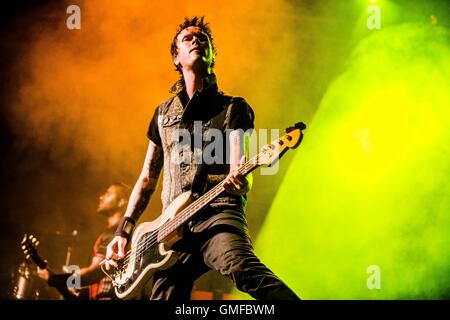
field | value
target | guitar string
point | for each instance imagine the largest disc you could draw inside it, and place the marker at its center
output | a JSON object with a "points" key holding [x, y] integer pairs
{"points": [[252, 163], [132, 255], [247, 165], [153, 239]]}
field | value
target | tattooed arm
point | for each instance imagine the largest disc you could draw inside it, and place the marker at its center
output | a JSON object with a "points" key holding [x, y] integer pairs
{"points": [[237, 183], [140, 196], [146, 183]]}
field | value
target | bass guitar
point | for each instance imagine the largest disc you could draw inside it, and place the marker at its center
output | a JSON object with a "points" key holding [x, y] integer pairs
{"points": [[151, 243]]}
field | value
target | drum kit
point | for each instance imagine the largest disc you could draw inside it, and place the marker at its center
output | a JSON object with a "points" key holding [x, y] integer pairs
{"points": [[23, 279]]}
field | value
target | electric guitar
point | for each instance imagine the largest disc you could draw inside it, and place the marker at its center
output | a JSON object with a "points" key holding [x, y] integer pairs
{"points": [[151, 243], [29, 245]]}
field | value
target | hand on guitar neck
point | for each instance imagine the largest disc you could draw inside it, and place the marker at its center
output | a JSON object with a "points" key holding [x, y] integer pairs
{"points": [[44, 274]]}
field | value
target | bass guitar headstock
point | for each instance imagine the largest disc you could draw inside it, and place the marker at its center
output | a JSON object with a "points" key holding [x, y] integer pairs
{"points": [[273, 151]]}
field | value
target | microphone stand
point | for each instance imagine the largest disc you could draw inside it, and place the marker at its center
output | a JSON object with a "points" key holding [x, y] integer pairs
{"points": [[69, 254]]}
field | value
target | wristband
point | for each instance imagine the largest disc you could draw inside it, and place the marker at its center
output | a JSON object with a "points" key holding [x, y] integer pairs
{"points": [[125, 228]]}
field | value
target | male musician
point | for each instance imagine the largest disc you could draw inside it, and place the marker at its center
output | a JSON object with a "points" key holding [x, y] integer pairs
{"points": [[112, 206], [217, 238]]}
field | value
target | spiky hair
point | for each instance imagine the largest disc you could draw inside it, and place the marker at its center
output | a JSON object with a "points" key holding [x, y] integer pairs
{"points": [[192, 22]]}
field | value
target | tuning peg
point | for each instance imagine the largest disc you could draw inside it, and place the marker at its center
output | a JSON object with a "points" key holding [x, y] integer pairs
{"points": [[37, 243], [298, 125], [27, 256], [24, 247]]}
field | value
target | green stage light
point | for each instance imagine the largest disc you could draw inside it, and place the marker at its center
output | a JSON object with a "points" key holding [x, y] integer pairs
{"points": [[368, 188]]}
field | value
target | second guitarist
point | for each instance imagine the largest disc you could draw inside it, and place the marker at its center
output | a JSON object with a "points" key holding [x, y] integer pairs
{"points": [[218, 238], [112, 204]]}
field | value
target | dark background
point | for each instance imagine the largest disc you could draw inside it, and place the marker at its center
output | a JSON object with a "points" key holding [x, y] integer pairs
{"points": [[36, 192]]}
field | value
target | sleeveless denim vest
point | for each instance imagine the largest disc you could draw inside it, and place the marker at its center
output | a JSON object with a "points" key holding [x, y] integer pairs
{"points": [[180, 165]]}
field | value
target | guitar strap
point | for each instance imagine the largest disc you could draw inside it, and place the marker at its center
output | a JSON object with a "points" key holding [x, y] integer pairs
{"points": [[221, 122]]}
